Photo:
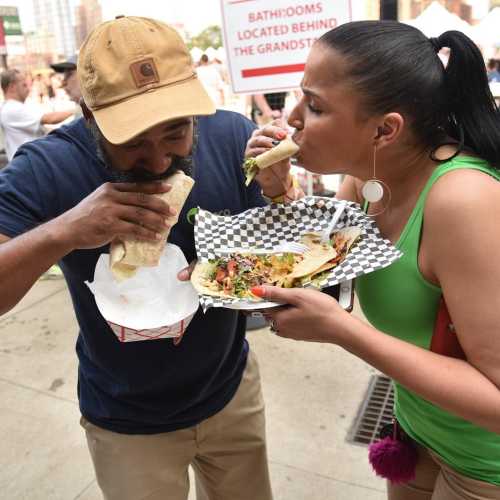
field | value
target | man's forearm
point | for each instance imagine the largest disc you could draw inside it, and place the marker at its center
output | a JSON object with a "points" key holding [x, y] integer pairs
{"points": [[262, 104], [55, 117], [25, 258]]}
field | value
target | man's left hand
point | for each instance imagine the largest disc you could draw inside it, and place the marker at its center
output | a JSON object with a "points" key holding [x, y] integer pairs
{"points": [[185, 274]]}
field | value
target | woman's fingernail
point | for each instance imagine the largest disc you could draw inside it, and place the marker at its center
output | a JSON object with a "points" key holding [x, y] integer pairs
{"points": [[171, 211], [258, 290], [281, 135]]}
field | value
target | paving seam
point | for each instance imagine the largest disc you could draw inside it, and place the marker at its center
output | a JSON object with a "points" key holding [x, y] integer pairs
{"points": [[38, 391], [324, 476], [8, 315], [84, 489]]}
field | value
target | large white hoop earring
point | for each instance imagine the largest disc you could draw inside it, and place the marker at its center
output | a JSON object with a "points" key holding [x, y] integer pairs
{"points": [[374, 189]]}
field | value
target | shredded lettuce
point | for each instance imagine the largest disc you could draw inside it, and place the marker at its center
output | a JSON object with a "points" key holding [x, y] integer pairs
{"points": [[250, 168]]}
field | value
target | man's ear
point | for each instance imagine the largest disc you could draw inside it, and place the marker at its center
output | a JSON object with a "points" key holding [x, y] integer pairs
{"points": [[87, 114]]}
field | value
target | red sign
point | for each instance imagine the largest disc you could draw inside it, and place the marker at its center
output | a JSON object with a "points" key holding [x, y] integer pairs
{"points": [[3, 47], [267, 43]]}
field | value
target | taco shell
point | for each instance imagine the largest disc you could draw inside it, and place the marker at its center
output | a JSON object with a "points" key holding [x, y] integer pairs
{"points": [[201, 274]]}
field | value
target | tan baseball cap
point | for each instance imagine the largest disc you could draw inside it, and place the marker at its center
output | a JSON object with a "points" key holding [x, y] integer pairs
{"points": [[135, 73]]}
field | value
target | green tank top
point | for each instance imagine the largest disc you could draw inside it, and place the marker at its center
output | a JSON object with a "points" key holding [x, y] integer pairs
{"points": [[399, 301]]}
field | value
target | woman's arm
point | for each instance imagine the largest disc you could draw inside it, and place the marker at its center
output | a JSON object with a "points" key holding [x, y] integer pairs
{"points": [[460, 246]]}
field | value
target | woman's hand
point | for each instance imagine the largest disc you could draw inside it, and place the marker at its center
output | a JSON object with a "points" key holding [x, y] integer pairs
{"points": [[274, 180], [309, 315]]}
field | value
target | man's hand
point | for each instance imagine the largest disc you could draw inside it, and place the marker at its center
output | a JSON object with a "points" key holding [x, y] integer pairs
{"points": [[185, 274], [117, 210], [274, 180]]}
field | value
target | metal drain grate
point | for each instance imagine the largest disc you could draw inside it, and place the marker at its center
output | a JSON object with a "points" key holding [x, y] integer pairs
{"points": [[375, 412]]}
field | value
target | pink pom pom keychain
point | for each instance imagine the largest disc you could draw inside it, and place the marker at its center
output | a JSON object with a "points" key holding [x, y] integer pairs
{"points": [[394, 457]]}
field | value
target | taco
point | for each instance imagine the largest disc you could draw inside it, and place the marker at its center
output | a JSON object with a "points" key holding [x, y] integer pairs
{"points": [[317, 255], [342, 241], [126, 255], [233, 276], [285, 149]]}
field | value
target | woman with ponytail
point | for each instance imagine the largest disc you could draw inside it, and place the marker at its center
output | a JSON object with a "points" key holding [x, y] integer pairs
{"points": [[420, 145]]}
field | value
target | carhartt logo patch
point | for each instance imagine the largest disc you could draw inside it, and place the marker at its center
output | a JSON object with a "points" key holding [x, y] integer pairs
{"points": [[144, 72]]}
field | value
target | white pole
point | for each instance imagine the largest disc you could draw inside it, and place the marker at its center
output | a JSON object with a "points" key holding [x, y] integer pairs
{"points": [[309, 177]]}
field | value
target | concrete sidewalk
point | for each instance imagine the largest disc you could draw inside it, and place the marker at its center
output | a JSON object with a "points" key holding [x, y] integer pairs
{"points": [[312, 394]]}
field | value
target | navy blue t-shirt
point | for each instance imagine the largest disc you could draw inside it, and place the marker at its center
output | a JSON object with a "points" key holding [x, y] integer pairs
{"points": [[151, 386]]}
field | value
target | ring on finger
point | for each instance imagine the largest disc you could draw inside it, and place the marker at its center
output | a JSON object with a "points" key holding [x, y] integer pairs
{"points": [[272, 326]]}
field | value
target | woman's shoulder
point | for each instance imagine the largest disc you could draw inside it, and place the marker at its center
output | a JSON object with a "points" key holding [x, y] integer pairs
{"points": [[464, 179], [464, 194]]}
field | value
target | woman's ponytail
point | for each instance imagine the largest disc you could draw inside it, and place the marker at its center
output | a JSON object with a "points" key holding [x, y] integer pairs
{"points": [[471, 106]]}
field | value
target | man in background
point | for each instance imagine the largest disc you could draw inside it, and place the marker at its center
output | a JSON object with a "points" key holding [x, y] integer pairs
{"points": [[70, 81], [268, 107], [20, 122], [211, 79]]}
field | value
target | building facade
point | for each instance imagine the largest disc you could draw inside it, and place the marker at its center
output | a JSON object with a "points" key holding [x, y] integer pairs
{"points": [[54, 17], [88, 14]]}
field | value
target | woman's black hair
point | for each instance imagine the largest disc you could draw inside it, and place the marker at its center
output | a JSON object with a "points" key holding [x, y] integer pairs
{"points": [[395, 67]]}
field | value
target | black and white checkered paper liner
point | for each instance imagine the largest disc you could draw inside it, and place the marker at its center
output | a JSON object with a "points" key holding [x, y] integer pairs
{"points": [[267, 227]]}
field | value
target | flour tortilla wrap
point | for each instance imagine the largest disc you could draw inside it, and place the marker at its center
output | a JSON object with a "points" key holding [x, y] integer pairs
{"points": [[285, 149], [128, 254]]}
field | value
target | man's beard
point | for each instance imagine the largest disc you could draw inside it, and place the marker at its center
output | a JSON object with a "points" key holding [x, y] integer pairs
{"points": [[140, 174]]}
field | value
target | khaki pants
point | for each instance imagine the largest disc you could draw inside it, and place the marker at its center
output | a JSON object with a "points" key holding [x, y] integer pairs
{"points": [[437, 481], [227, 452]]}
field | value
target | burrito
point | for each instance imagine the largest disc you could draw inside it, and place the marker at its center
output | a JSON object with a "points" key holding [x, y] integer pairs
{"points": [[285, 149], [126, 255]]}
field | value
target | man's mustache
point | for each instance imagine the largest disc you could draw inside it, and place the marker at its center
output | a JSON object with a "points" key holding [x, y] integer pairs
{"points": [[141, 174]]}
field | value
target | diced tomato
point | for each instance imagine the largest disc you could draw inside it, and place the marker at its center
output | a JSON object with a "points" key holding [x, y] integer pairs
{"points": [[231, 268], [220, 275]]}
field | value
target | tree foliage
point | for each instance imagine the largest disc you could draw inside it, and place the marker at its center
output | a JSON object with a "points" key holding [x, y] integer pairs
{"points": [[209, 37]]}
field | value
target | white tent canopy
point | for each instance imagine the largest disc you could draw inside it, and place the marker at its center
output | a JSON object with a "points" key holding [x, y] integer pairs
{"points": [[487, 32], [435, 20], [196, 53], [211, 53], [221, 54]]}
